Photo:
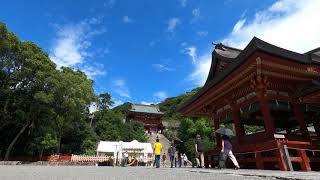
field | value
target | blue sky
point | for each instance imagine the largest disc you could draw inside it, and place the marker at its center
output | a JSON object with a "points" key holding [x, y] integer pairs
{"points": [[144, 51]]}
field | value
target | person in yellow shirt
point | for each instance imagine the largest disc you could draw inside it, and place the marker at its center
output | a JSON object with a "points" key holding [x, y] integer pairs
{"points": [[157, 149]]}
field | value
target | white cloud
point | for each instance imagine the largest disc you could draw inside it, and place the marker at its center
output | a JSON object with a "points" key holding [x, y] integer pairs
{"points": [[71, 46], [202, 33], [109, 3], [237, 27], [148, 103], [196, 15], [172, 24], [184, 44], [201, 70], [121, 88], [192, 52], [183, 3], [93, 70], [117, 103], [160, 95], [127, 20], [162, 67], [291, 24], [196, 12]]}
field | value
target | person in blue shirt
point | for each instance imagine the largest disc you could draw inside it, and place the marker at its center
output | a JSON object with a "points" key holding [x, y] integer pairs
{"points": [[199, 147], [227, 150], [171, 152]]}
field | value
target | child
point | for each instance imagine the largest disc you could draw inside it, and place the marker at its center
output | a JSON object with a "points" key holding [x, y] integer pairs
{"points": [[164, 157]]}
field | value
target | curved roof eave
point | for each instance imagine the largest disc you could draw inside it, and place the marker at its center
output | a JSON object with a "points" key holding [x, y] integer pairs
{"points": [[254, 45]]}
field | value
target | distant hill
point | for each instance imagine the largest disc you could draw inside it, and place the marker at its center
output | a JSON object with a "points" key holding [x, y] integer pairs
{"points": [[169, 105], [123, 108]]}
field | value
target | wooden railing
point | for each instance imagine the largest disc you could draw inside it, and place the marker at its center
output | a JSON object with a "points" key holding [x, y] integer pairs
{"points": [[281, 153], [86, 158]]}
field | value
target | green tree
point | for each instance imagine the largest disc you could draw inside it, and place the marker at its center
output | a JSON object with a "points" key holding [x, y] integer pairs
{"points": [[188, 130], [73, 96], [44, 139], [105, 101], [27, 71]]}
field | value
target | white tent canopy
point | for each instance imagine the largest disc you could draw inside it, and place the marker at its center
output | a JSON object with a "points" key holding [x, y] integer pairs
{"points": [[119, 147]]}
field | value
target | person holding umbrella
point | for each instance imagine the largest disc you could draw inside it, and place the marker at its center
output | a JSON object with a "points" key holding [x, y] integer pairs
{"points": [[226, 149]]}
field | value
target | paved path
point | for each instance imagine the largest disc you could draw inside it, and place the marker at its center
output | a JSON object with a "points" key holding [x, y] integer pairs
{"points": [[140, 173], [165, 145]]}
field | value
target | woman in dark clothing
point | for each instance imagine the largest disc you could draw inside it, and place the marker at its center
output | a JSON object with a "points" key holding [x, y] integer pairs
{"points": [[227, 150]]}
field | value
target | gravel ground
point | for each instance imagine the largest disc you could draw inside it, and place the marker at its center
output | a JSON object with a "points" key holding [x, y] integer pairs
{"points": [[140, 173]]}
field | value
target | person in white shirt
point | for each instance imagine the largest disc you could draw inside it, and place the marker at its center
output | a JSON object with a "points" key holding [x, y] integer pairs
{"points": [[185, 160]]}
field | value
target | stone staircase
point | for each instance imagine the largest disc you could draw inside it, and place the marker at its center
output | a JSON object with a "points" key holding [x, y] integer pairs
{"points": [[165, 145]]}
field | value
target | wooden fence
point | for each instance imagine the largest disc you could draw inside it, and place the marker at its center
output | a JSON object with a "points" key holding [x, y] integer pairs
{"points": [[85, 158]]}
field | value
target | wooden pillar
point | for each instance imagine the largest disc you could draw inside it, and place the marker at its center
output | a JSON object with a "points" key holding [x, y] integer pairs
{"points": [[299, 117], [259, 162], [267, 117], [237, 124], [305, 161], [216, 127], [281, 159]]}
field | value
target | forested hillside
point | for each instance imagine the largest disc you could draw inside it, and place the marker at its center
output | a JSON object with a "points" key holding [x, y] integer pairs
{"points": [[189, 127]]}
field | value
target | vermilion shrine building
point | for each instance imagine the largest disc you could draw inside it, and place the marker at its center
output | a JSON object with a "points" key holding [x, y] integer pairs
{"points": [[270, 97], [149, 115]]}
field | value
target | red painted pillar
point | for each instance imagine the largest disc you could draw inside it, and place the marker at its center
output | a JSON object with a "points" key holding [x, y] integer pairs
{"points": [[305, 163], [299, 117], [237, 124], [281, 162], [267, 117], [280, 156], [259, 162], [216, 127]]}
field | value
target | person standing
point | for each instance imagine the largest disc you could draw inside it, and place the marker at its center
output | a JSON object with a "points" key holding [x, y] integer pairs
{"points": [[164, 158], [171, 153], [185, 160], [157, 149], [199, 147], [126, 157], [227, 150]]}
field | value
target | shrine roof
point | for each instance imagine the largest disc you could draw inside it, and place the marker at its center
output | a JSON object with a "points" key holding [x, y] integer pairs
{"points": [[151, 109], [306, 89], [236, 57]]}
